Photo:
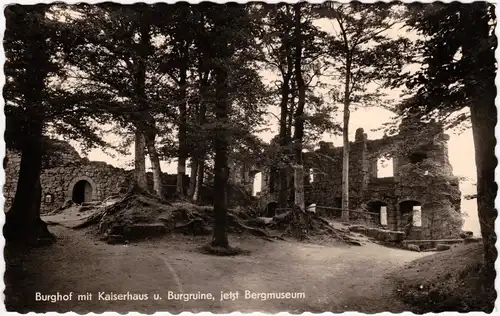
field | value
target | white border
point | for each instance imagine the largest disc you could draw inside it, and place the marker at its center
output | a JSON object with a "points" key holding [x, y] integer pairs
{"points": [[496, 310]]}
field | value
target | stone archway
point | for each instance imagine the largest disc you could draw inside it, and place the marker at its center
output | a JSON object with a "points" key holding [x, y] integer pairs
{"points": [[83, 189]]}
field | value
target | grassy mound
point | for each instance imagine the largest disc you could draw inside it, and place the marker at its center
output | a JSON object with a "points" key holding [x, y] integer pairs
{"points": [[448, 281]]}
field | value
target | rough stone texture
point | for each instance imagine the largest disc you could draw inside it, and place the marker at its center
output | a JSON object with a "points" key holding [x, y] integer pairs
{"points": [[422, 176], [379, 234], [432, 244], [65, 172], [472, 240], [413, 247], [60, 176], [442, 247]]}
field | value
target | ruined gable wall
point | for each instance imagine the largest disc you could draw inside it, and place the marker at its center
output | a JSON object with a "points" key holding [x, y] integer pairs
{"points": [[326, 163], [440, 198]]}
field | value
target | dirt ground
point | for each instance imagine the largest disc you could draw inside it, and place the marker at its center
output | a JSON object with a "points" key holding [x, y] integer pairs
{"points": [[334, 278]]}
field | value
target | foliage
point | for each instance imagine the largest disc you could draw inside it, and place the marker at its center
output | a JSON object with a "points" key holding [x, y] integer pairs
{"points": [[364, 54], [458, 71], [456, 51], [33, 93]]}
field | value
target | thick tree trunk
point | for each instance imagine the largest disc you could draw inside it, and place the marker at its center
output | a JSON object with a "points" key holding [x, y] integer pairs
{"points": [[201, 147], [299, 112], [140, 183], [345, 153], [182, 156], [291, 118], [221, 147], [192, 177], [299, 186], [345, 166], [221, 172], [23, 220], [284, 138], [199, 179], [143, 120], [285, 127], [155, 165], [484, 118]]}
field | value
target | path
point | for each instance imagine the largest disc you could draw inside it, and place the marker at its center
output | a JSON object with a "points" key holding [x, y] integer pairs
{"points": [[336, 278]]}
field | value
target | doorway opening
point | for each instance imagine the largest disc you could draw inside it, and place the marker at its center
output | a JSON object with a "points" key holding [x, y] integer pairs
{"points": [[82, 192]]}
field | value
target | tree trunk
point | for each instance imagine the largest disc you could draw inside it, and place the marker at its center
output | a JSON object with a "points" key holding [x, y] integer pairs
{"points": [[199, 179], [182, 156], [299, 113], [201, 146], [143, 119], [345, 152], [192, 177], [284, 135], [23, 220], [484, 118], [291, 118], [140, 183], [221, 147], [155, 164], [299, 186]]}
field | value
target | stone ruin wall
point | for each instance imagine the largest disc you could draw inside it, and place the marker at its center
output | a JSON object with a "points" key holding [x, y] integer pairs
{"points": [[440, 209], [61, 172], [64, 168]]}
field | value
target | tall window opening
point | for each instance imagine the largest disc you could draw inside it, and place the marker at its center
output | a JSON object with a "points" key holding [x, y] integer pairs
{"points": [[257, 184], [385, 168]]}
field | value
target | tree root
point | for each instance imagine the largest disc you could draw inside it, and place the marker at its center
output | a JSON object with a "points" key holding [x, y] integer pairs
{"points": [[197, 220], [234, 222]]}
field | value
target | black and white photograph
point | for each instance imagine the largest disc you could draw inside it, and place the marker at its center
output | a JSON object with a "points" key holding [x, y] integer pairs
{"points": [[249, 157]]}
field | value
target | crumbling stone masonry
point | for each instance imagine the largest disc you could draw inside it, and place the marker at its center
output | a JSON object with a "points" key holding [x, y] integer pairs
{"points": [[68, 177], [422, 198], [65, 176]]}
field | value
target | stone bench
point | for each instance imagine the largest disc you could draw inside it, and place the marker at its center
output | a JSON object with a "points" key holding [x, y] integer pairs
{"points": [[378, 233], [428, 243]]}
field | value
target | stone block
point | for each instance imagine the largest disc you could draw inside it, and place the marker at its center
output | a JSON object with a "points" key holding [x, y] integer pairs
{"points": [[413, 247], [442, 247], [472, 240], [144, 230], [466, 234], [357, 228]]}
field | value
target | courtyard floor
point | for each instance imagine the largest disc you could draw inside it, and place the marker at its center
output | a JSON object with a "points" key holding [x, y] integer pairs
{"points": [[333, 278]]}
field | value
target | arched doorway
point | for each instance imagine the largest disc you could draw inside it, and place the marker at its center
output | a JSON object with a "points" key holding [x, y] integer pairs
{"points": [[82, 192]]}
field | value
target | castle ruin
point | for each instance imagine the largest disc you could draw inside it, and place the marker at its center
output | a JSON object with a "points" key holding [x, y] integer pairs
{"points": [[421, 198]]}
